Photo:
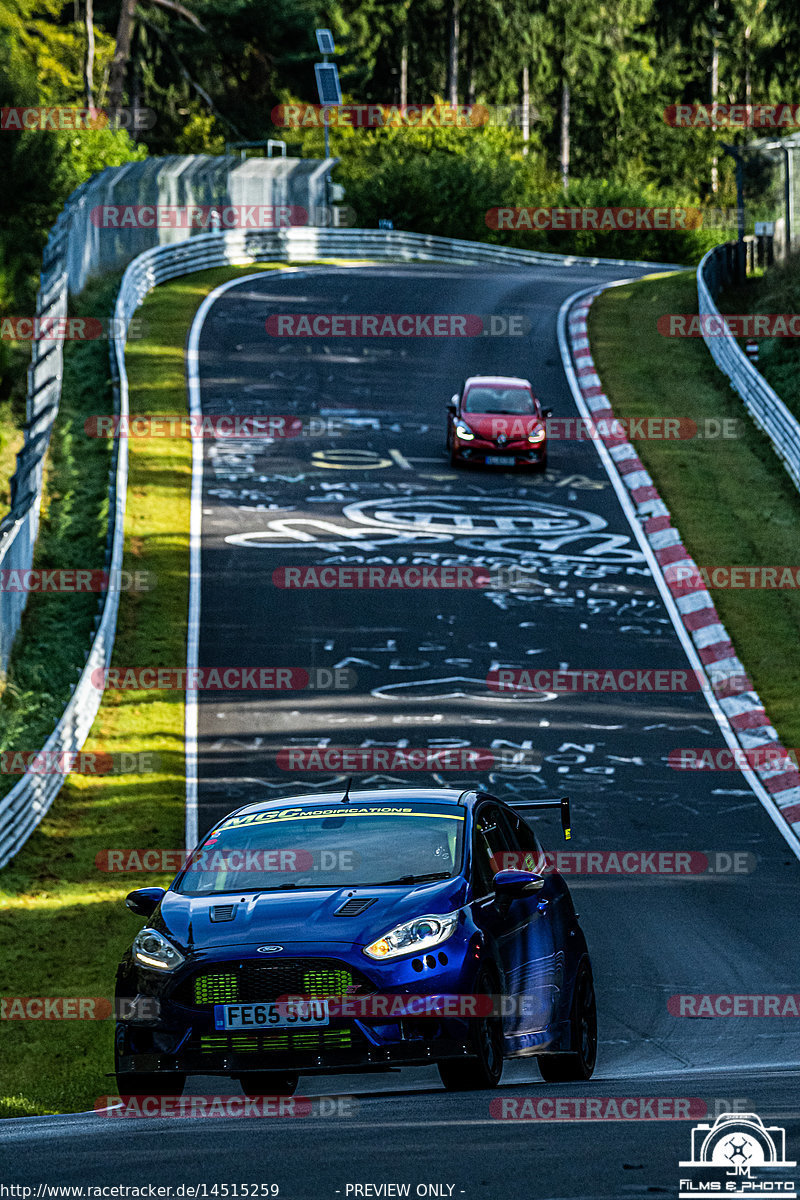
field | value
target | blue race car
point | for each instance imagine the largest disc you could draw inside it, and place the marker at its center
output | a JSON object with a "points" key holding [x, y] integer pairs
{"points": [[353, 933]]}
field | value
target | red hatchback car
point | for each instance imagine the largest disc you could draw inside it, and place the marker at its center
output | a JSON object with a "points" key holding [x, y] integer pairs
{"points": [[497, 421]]}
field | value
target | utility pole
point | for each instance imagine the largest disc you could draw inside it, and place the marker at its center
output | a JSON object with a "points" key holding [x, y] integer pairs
{"points": [[452, 66], [404, 73], [714, 87]]}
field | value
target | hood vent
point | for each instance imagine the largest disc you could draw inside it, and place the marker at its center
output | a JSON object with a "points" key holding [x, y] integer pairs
{"points": [[355, 906], [222, 912]]}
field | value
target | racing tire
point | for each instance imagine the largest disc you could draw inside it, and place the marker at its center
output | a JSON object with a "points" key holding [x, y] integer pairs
{"points": [[484, 1067], [151, 1083], [455, 461], [578, 1063], [268, 1083]]}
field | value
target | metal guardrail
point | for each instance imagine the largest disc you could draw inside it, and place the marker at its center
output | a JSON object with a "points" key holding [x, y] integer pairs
{"points": [[763, 403], [28, 801]]}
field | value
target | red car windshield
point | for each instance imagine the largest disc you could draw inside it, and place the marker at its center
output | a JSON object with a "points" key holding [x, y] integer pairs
{"points": [[483, 399]]}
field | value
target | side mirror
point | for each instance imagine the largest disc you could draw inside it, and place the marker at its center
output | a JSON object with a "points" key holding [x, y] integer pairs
{"points": [[512, 885], [547, 412], [144, 901], [452, 403]]}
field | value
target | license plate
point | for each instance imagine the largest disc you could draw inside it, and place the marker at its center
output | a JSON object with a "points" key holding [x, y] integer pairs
{"points": [[289, 1015], [499, 462]]}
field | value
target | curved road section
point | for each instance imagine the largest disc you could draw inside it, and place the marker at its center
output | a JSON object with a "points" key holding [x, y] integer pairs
{"points": [[684, 885]]}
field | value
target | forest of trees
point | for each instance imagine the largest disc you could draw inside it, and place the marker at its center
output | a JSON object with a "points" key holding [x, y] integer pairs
{"points": [[597, 74]]}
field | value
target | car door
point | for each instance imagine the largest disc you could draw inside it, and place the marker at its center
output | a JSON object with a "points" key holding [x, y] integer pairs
{"points": [[516, 930], [539, 979], [519, 931]]}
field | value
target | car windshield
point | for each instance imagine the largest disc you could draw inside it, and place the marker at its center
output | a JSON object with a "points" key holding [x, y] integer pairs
{"points": [[498, 400], [350, 845]]}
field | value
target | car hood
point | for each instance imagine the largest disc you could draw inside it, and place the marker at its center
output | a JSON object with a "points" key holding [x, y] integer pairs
{"points": [[302, 916], [490, 425]]}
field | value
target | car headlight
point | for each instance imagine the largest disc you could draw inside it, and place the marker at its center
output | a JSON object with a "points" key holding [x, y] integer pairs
{"points": [[413, 936], [464, 432], [152, 949], [537, 438]]}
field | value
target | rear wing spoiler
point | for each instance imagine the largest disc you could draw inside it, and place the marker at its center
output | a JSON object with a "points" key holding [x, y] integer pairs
{"points": [[563, 804]]}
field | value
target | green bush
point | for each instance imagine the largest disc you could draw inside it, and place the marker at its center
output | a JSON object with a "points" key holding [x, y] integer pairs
{"points": [[445, 183]]}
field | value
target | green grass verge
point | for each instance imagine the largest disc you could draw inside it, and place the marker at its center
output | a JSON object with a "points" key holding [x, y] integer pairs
{"points": [[731, 499], [63, 926], [11, 439]]}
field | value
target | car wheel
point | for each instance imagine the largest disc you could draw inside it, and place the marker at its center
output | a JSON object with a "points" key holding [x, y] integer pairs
{"points": [[485, 1065], [150, 1084], [269, 1083], [579, 1063]]}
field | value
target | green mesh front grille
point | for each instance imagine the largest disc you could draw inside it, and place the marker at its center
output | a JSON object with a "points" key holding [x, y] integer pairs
{"points": [[326, 983], [275, 1043], [216, 989], [250, 982]]}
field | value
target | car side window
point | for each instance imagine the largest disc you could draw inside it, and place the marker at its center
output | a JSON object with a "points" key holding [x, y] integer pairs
{"points": [[530, 856], [492, 844]]}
